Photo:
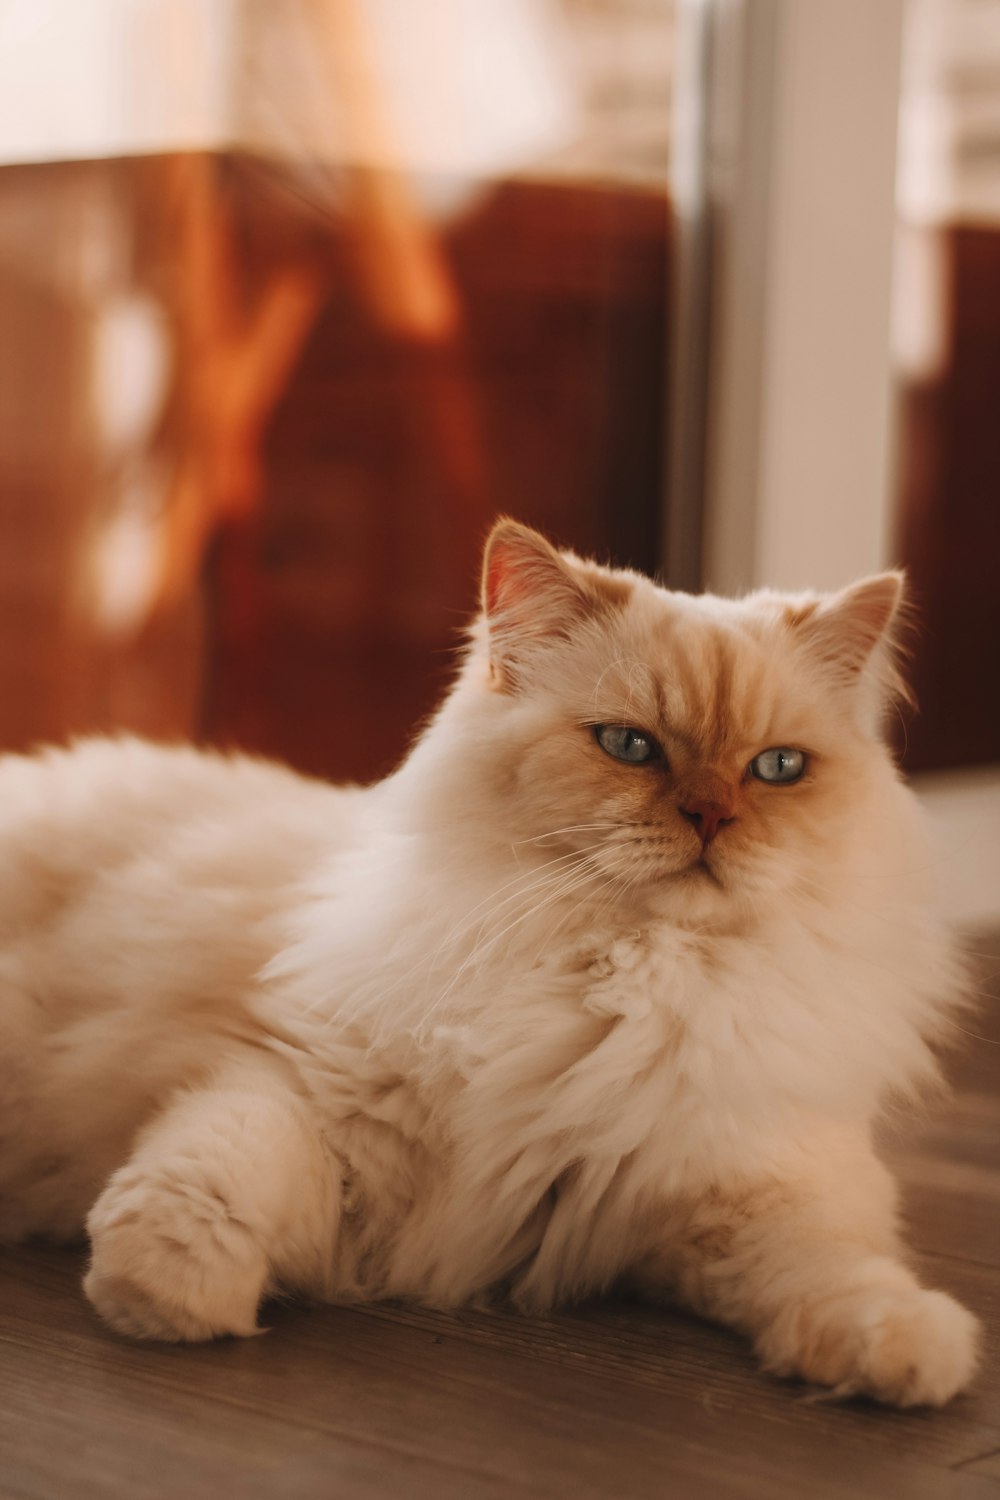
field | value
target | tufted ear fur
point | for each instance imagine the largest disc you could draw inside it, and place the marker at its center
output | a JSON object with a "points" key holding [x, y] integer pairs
{"points": [[533, 595], [853, 632]]}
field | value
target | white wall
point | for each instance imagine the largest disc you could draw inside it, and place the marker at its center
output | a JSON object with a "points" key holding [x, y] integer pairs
{"points": [[799, 420], [111, 77], [475, 87]]}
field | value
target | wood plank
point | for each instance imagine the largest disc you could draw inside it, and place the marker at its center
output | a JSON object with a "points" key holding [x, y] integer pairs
{"points": [[989, 1464], [602, 1402]]}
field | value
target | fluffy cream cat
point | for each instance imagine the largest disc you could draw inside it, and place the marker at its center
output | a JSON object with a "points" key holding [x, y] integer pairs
{"points": [[607, 984]]}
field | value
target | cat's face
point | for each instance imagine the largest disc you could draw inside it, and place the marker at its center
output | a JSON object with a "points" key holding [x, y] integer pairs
{"points": [[716, 753]]}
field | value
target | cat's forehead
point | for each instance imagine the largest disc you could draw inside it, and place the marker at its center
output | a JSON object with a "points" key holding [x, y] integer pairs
{"points": [[713, 671]]}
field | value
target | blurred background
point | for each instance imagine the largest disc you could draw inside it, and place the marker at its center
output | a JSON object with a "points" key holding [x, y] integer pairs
{"points": [[297, 295]]}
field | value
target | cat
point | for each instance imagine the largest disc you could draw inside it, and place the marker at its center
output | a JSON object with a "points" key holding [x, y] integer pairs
{"points": [[606, 986]]}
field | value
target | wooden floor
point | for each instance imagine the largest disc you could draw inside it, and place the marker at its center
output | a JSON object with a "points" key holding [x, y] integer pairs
{"points": [[603, 1403]]}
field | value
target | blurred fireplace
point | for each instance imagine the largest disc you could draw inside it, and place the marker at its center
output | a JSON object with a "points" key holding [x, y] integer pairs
{"points": [[321, 607], [388, 459]]}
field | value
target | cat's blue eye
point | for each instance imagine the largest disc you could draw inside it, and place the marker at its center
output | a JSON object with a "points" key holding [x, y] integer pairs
{"points": [[779, 766], [633, 746]]}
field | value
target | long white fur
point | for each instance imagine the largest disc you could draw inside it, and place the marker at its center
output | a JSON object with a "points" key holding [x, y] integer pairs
{"points": [[431, 1040]]}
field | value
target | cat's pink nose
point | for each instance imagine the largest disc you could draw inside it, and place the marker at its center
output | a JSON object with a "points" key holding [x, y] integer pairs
{"points": [[707, 818]]}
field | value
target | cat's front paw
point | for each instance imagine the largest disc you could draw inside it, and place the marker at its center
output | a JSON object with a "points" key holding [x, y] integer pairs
{"points": [[902, 1346], [168, 1263]]}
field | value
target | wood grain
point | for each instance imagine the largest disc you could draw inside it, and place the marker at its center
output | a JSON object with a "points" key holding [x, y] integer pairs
{"points": [[604, 1402]]}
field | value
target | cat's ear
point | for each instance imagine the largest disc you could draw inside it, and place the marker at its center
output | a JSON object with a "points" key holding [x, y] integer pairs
{"points": [[856, 628], [533, 595]]}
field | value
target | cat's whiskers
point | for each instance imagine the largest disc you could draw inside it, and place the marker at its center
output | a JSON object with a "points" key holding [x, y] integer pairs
{"points": [[593, 869], [528, 884], [991, 1041], [573, 828], [565, 884], [976, 952], [618, 886]]}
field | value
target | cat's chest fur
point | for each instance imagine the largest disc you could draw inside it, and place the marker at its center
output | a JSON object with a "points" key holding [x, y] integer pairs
{"points": [[633, 1036], [558, 1104]]}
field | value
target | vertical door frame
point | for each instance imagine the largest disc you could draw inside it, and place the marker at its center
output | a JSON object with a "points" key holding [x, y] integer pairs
{"points": [[782, 412]]}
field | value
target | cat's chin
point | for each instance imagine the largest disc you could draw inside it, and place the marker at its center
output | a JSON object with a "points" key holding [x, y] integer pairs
{"points": [[697, 874], [704, 894]]}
